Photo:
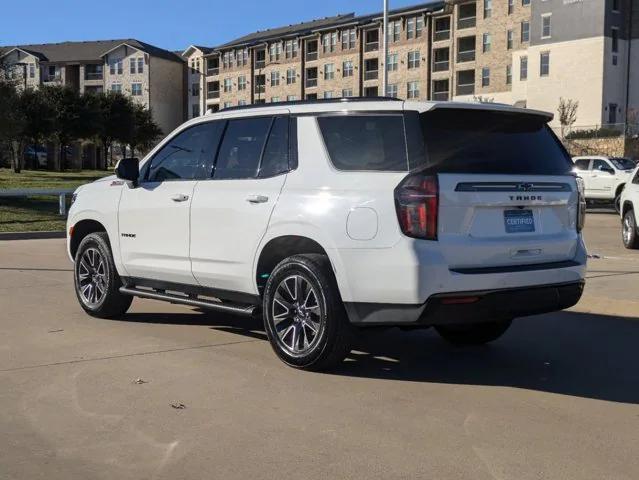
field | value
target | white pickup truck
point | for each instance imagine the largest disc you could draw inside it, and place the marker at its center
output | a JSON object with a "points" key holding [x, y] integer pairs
{"points": [[604, 177]]}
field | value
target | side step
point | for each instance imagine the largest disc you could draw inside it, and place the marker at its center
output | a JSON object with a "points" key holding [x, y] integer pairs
{"points": [[235, 308]]}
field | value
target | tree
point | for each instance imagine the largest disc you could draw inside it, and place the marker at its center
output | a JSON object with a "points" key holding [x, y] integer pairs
{"points": [[145, 130], [12, 124], [567, 114], [118, 120], [39, 116]]}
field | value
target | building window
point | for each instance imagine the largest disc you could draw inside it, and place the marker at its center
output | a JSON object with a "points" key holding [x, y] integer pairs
{"points": [[615, 39], [509, 40], [488, 8], [275, 99], [391, 90], [525, 31], [413, 89], [410, 28], [116, 87], [195, 89], [136, 89], [509, 74], [347, 92], [328, 94], [525, 3], [291, 49], [290, 76], [544, 64], [419, 27], [413, 59], [228, 85], [523, 68], [137, 66], [511, 6], [486, 42], [275, 79], [275, 52], [228, 104], [291, 98], [546, 29], [347, 69], [31, 70], [329, 71], [241, 82], [116, 67], [612, 113], [393, 60], [394, 31], [329, 42], [349, 38], [485, 77]]}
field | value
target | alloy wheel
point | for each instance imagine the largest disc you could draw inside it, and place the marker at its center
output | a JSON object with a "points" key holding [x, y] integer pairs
{"points": [[627, 230], [92, 280]]}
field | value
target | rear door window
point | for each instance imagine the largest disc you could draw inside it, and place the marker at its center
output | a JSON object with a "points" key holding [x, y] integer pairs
{"points": [[242, 147], [494, 142], [582, 164], [365, 142]]}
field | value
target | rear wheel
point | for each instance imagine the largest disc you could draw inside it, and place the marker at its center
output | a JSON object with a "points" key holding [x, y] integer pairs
{"points": [[473, 334], [629, 230], [304, 316], [618, 203], [97, 283]]}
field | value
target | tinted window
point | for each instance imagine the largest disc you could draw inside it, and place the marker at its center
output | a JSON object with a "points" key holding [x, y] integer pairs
{"points": [[241, 149], [276, 153], [188, 156], [601, 165], [365, 142], [582, 164], [480, 141], [623, 163]]}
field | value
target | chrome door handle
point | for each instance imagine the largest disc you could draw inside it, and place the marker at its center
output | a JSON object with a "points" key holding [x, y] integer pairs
{"points": [[257, 199], [179, 197]]}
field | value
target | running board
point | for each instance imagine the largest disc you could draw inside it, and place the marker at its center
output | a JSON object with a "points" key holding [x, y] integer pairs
{"points": [[235, 308]]}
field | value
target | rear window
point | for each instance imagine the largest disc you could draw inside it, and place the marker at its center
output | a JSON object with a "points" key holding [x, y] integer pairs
{"points": [[365, 142], [480, 141], [623, 163]]}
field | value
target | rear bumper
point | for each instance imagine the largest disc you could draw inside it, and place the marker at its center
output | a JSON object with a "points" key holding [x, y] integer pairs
{"points": [[470, 307]]}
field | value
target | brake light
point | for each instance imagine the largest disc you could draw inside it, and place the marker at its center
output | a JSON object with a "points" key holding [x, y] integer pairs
{"points": [[581, 204], [417, 203]]}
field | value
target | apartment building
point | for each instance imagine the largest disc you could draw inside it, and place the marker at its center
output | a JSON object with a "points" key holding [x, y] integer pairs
{"points": [[150, 75], [523, 52]]}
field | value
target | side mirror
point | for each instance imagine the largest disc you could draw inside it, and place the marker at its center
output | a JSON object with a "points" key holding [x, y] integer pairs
{"points": [[128, 169]]}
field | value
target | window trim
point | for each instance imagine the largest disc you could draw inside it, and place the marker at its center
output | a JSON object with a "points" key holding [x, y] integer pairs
{"points": [[545, 16]]}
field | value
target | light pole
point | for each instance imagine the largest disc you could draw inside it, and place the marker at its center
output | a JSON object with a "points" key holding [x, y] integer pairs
{"points": [[385, 49]]}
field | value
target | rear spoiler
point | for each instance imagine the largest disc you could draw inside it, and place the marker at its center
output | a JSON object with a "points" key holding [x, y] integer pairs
{"points": [[495, 107]]}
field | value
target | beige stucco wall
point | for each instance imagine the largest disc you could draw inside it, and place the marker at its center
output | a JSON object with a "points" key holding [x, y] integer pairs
{"points": [[166, 88], [18, 56]]}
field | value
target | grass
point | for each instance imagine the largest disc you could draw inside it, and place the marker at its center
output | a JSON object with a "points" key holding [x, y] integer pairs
{"points": [[38, 213]]}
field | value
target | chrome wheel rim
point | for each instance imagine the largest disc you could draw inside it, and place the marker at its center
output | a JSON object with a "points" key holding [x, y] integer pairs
{"points": [[627, 230], [92, 280], [297, 313]]}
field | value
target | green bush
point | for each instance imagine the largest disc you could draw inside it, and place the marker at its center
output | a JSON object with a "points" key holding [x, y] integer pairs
{"points": [[602, 132]]}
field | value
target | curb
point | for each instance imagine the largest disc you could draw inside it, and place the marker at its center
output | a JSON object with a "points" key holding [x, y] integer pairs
{"points": [[31, 235]]}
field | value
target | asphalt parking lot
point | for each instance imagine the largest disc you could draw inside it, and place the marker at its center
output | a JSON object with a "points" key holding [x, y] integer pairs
{"points": [[556, 398]]}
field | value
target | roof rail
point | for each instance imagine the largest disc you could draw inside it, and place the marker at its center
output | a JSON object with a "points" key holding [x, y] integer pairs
{"points": [[308, 102]]}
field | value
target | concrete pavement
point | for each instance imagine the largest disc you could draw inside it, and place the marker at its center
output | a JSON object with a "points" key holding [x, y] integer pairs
{"points": [[556, 398]]}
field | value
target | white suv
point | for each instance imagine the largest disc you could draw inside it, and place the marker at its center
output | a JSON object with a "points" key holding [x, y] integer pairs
{"points": [[327, 216], [604, 177], [630, 212]]}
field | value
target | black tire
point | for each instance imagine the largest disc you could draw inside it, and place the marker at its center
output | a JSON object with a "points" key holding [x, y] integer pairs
{"points": [[474, 333], [629, 235], [302, 297], [617, 203], [103, 299]]}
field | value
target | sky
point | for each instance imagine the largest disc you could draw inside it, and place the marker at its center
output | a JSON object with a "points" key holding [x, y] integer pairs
{"points": [[173, 25]]}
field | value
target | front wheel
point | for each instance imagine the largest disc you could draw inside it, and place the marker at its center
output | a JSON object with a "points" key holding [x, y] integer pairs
{"points": [[474, 333], [304, 316], [618, 203], [629, 230], [97, 283]]}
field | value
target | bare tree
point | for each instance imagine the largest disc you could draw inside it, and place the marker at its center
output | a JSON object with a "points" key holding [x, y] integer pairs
{"points": [[567, 111], [483, 99]]}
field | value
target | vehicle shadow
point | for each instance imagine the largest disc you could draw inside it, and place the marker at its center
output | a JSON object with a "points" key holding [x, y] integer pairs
{"points": [[568, 353]]}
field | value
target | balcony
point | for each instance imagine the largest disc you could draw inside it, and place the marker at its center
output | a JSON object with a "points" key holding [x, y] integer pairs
{"points": [[210, 72], [441, 35], [466, 22], [260, 64], [211, 94], [371, 75], [466, 89], [440, 96], [371, 47], [52, 78], [311, 56], [466, 56], [93, 76], [259, 88], [441, 66], [311, 82]]}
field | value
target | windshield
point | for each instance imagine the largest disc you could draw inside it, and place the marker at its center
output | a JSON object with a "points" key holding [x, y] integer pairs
{"points": [[484, 141], [623, 163]]}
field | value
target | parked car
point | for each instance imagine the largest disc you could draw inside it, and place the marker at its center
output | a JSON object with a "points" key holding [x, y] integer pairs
{"points": [[604, 177], [328, 216], [36, 155], [630, 212]]}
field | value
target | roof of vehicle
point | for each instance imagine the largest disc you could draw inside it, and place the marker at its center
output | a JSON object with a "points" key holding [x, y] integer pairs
{"points": [[364, 104]]}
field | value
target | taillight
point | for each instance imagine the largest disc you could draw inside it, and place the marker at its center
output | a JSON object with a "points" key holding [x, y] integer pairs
{"points": [[417, 202], [581, 204]]}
